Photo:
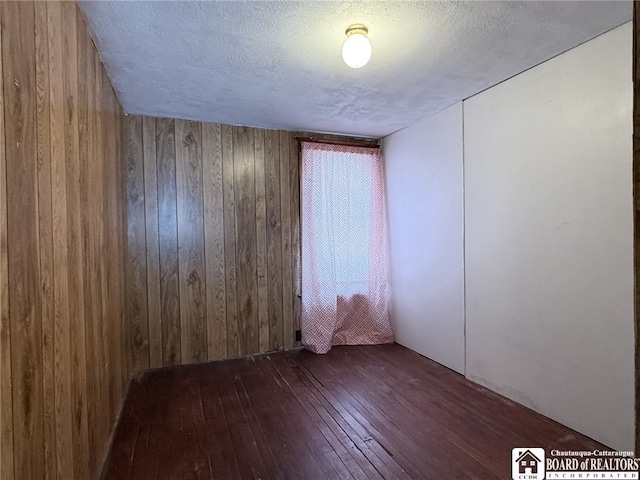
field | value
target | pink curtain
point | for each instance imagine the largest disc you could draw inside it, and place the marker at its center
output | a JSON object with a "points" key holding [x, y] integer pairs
{"points": [[344, 253]]}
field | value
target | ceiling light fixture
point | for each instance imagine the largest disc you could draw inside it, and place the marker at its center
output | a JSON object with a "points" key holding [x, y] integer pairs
{"points": [[356, 49]]}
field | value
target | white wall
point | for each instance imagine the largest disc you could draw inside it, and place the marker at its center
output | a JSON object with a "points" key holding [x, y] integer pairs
{"points": [[423, 170], [548, 224]]}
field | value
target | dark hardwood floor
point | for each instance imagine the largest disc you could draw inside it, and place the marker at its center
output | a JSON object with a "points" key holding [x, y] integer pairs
{"points": [[358, 412]]}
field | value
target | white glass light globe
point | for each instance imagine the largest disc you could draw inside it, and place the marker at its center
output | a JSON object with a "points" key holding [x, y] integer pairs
{"points": [[356, 50]]}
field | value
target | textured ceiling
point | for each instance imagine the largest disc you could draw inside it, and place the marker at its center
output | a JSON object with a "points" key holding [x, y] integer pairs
{"points": [[277, 64]]}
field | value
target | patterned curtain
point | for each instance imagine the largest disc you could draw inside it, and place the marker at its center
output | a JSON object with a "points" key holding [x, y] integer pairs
{"points": [[344, 252]]}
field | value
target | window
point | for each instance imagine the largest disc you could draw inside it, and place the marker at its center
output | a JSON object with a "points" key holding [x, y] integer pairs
{"points": [[341, 199], [344, 263]]}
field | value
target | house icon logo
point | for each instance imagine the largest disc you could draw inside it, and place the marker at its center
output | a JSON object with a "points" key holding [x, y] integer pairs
{"points": [[527, 464]]}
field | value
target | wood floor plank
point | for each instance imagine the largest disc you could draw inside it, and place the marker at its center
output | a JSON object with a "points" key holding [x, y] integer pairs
{"points": [[247, 454], [254, 411], [483, 437], [148, 451], [436, 441], [182, 410], [357, 412], [344, 449], [218, 426], [314, 445], [443, 413], [378, 410], [120, 457], [201, 465], [390, 439], [209, 440], [364, 441], [273, 420], [316, 407], [294, 438]]}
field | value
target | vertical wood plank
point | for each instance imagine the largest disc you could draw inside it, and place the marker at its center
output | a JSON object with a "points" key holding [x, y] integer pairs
{"points": [[245, 195], [18, 59], [103, 425], [285, 208], [230, 239], [121, 144], [82, 105], [274, 239], [120, 224], [153, 247], [191, 241], [214, 241], [100, 370], [137, 317], [104, 230], [261, 241], [168, 242], [6, 388], [97, 184], [294, 182], [117, 255], [74, 242], [108, 258], [62, 347], [45, 242]]}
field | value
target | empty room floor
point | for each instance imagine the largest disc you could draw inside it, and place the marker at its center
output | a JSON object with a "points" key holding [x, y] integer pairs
{"points": [[360, 412]]}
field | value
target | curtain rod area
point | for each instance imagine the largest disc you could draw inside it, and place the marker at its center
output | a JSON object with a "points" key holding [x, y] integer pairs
{"points": [[347, 142]]}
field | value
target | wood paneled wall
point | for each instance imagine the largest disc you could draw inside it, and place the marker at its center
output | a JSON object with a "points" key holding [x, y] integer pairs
{"points": [[62, 243], [213, 229]]}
